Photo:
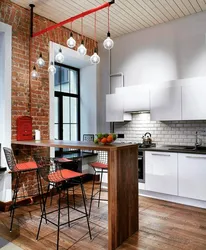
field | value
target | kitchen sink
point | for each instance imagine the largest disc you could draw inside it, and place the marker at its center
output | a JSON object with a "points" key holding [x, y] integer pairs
{"points": [[201, 148], [188, 148]]}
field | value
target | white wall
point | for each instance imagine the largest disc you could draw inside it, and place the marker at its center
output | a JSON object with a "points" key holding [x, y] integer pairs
{"points": [[170, 51], [103, 88], [88, 93], [5, 106]]}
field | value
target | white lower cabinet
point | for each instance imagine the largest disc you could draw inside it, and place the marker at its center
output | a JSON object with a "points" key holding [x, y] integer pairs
{"points": [[192, 176], [161, 172]]}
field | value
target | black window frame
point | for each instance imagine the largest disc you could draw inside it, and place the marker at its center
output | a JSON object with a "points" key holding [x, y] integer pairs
{"points": [[60, 95]]}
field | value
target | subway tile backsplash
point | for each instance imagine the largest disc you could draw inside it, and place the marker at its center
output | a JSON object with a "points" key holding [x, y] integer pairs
{"points": [[166, 132]]}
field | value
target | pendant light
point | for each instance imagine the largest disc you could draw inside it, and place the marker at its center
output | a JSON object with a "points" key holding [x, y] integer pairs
{"points": [[51, 68], [95, 59], [59, 57], [108, 42], [71, 43], [34, 73], [40, 61], [81, 49]]}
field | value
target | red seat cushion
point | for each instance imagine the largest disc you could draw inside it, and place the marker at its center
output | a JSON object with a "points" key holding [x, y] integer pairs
{"points": [[62, 160], [98, 165], [25, 166], [62, 175]]}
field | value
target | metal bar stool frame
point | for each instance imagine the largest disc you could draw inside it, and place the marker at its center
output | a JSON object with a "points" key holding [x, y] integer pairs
{"points": [[100, 166], [52, 173], [18, 169]]}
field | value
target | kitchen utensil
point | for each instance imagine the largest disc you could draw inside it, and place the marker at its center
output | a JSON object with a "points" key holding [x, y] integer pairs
{"points": [[147, 140]]}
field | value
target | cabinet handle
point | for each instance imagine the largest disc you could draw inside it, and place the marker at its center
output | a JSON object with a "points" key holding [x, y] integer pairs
{"points": [[196, 157], [161, 154]]}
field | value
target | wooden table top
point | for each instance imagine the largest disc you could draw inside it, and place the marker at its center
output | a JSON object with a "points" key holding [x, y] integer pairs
{"points": [[74, 144]]}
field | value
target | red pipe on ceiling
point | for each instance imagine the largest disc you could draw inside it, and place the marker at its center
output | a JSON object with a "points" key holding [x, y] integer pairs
{"points": [[71, 19]]}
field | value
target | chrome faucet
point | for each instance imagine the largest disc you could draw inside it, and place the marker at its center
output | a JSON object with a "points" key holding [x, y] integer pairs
{"points": [[196, 138]]}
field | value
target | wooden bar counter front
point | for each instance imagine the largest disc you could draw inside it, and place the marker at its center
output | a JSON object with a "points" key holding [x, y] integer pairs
{"points": [[123, 220]]}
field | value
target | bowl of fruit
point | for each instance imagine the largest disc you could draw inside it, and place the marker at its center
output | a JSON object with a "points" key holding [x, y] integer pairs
{"points": [[104, 139]]}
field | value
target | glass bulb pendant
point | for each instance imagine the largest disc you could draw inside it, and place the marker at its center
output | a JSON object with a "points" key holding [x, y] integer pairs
{"points": [[71, 43], [51, 68], [95, 59], [59, 57], [108, 42], [82, 50], [34, 73], [40, 61]]}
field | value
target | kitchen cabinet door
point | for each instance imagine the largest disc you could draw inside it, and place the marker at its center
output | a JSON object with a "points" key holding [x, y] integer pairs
{"points": [[135, 98], [193, 101], [192, 176], [161, 172], [114, 109], [165, 103]]}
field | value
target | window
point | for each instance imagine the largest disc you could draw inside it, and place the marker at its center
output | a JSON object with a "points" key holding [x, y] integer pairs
{"points": [[67, 105]]}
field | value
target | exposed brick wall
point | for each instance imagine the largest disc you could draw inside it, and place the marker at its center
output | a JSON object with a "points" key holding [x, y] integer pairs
{"points": [[19, 19]]}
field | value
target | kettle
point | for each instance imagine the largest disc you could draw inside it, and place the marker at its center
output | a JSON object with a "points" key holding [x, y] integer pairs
{"points": [[147, 140]]}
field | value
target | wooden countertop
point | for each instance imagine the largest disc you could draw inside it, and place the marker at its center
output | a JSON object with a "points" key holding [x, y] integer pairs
{"points": [[73, 144]]}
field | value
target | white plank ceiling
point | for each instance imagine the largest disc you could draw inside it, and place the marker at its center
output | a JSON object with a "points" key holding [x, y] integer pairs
{"points": [[125, 15]]}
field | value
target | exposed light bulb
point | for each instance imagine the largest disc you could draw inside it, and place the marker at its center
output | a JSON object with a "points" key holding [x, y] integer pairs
{"points": [[81, 49], [108, 42], [95, 59], [59, 57], [34, 73], [71, 43], [40, 61], [51, 68]]}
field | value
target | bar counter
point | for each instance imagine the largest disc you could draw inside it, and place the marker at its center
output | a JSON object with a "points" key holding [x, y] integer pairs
{"points": [[123, 214]]}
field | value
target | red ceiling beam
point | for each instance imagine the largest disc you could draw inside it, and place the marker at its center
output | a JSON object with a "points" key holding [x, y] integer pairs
{"points": [[71, 19]]}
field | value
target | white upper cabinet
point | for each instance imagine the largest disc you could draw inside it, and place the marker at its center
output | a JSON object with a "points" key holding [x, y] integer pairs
{"points": [[135, 98], [194, 101], [114, 109], [165, 103]]}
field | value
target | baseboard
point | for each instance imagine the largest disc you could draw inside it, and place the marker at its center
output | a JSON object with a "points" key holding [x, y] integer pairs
{"points": [[5, 206], [173, 198]]}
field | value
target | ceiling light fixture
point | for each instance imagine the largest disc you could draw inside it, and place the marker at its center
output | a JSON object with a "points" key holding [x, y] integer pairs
{"points": [[51, 68], [108, 42], [95, 59], [34, 73], [40, 61], [71, 43], [81, 49], [59, 57]]}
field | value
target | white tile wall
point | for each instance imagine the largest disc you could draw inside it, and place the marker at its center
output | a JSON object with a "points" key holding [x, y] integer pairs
{"points": [[167, 132]]}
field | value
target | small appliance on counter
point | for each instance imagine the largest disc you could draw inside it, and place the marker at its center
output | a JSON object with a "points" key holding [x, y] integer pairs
{"points": [[147, 141]]}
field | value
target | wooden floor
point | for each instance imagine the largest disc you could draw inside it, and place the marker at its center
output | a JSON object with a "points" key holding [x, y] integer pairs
{"points": [[163, 225]]}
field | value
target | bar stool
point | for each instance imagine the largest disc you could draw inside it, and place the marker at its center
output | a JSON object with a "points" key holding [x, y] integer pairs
{"points": [[100, 167], [54, 175], [18, 169], [61, 161]]}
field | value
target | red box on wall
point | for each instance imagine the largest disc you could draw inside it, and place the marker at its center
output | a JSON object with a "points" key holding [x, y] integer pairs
{"points": [[24, 128]]}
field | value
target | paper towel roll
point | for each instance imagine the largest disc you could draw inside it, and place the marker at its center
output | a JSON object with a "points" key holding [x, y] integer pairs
{"points": [[37, 135]]}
